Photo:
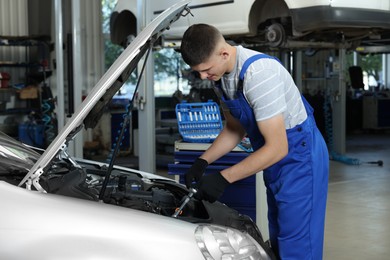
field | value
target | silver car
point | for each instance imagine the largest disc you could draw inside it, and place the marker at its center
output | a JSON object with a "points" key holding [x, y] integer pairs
{"points": [[54, 206]]}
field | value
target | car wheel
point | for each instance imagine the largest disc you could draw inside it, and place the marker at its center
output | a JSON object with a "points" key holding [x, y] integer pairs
{"points": [[275, 35]]}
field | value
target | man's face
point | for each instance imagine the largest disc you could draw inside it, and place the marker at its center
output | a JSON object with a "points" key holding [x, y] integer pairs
{"points": [[213, 68]]}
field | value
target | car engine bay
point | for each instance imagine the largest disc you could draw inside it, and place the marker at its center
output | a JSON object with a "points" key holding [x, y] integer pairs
{"points": [[130, 189]]}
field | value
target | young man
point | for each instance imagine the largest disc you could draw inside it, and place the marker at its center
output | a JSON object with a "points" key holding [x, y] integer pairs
{"points": [[265, 104]]}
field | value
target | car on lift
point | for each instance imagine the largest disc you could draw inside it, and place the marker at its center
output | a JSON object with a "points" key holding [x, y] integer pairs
{"points": [[289, 24], [55, 206]]}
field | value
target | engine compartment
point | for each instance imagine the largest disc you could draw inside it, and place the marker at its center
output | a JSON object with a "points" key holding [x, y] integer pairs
{"points": [[125, 188]]}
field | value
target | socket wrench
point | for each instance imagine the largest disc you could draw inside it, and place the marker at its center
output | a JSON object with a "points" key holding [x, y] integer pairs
{"points": [[186, 200]]}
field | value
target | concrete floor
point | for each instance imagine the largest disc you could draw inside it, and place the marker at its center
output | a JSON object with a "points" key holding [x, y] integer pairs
{"points": [[358, 209]]}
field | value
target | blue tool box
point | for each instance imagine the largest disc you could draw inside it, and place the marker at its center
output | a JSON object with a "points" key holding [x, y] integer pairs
{"points": [[199, 122]]}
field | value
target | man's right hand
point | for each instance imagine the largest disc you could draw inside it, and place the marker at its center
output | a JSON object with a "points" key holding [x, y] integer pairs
{"points": [[195, 172]]}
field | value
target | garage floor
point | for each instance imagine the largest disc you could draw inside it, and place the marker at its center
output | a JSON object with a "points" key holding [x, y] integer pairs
{"points": [[358, 210]]}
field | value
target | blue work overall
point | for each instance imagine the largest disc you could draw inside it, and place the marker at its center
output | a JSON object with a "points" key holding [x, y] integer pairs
{"points": [[296, 186]]}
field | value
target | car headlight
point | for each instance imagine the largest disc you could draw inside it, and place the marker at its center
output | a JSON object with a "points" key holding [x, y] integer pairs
{"points": [[217, 242]]}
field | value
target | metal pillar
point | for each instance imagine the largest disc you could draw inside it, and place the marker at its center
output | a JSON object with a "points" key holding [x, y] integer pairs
{"points": [[386, 70], [297, 69], [339, 107], [59, 63], [76, 148], [146, 105]]}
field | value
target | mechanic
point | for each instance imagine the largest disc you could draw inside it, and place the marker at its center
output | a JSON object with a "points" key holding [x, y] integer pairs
{"points": [[263, 103]]}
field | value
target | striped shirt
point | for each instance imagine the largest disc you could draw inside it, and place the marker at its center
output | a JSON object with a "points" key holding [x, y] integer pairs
{"points": [[268, 88]]}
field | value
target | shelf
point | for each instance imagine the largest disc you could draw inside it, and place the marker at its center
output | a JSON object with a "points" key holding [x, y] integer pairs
{"points": [[18, 111], [315, 78], [24, 40], [37, 49], [19, 64]]}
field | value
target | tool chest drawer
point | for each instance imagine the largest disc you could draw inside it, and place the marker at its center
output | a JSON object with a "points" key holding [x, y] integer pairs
{"points": [[190, 156]]}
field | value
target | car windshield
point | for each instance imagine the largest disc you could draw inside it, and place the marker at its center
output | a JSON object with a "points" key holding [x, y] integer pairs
{"points": [[14, 156], [12, 153]]}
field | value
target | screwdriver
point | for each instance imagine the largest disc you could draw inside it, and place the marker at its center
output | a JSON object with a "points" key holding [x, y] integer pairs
{"points": [[186, 200]]}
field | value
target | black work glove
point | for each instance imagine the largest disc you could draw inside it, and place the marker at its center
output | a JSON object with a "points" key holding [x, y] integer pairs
{"points": [[210, 187], [196, 171]]}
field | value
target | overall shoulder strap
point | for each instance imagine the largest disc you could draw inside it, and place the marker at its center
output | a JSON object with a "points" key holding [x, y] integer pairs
{"points": [[251, 59], [218, 91], [248, 62]]}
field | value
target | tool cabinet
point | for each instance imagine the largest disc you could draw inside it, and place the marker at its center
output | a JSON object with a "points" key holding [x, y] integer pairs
{"points": [[247, 196]]}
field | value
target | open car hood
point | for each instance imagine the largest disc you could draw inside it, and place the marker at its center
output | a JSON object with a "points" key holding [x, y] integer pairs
{"points": [[91, 109]]}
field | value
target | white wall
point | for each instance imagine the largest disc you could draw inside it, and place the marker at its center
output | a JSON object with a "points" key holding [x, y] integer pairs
{"points": [[13, 17], [13, 22]]}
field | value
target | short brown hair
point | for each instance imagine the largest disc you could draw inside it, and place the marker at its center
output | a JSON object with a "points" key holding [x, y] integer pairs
{"points": [[198, 43]]}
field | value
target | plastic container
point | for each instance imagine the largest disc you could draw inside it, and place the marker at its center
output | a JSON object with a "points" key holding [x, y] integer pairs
{"points": [[32, 134], [199, 122]]}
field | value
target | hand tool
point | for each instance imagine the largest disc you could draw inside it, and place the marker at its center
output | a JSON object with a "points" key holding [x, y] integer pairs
{"points": [[186, 200]]}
